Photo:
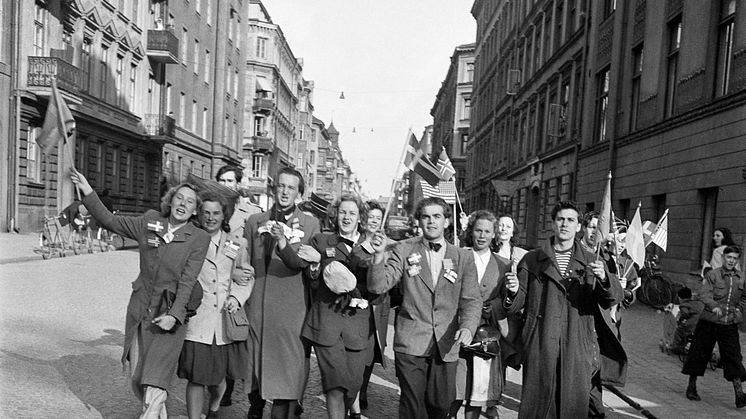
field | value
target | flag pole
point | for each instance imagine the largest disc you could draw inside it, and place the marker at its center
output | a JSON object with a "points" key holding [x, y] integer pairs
{"points": [[455, 230], [393, 184], [66, 146]]}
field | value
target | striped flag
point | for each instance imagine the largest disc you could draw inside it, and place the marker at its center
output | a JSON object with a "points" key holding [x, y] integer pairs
{"points": [[635, 240], [58, 122], [444, 165], [660, 235], [444, 189]]}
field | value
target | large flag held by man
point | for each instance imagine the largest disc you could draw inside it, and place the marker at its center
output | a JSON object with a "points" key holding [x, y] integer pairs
{"points": [[416, 160], [59, 123], [635, 240], [604, 216]]}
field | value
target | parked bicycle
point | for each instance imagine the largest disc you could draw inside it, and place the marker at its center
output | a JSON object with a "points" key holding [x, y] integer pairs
{"points": [[54, 239]]}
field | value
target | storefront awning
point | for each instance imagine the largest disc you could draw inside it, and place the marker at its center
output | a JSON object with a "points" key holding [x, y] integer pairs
{"points": [[262, 85]]}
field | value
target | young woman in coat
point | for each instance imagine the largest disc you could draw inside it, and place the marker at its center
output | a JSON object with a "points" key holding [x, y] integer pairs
{"points": [[209, 355], [172, 251], [339, 325], [480, 381]]}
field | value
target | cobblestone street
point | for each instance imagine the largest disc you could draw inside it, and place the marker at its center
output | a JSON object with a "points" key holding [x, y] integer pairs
{"points": [[61, 325]]}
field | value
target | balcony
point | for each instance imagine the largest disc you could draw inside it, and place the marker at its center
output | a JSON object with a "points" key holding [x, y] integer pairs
{"points": [[42, 70], [158, 125], [262, 144], [163, 46], [263, 105]]}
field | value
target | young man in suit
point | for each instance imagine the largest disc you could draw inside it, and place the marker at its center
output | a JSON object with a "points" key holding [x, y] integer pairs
{"points": [[440, 310], [278, 357]]}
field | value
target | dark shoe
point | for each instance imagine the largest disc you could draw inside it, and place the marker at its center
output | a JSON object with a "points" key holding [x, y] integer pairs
{"points": [[363, 402], [298, 410], [740, 400], [212, 414], [355, 415], [226, 400], [691, 394]]}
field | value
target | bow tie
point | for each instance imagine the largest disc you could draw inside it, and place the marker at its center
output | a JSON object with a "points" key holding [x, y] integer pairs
{"points": [[282, 215], [435, 247], [347, 241]]}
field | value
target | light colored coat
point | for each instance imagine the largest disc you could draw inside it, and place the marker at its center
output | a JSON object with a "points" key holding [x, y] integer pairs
{"points": [[241, 213], [428, 312], [217, 286], [278, 357]]}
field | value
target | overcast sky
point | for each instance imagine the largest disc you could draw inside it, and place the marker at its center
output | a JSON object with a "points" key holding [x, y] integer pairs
{"points": [[387, 56]]}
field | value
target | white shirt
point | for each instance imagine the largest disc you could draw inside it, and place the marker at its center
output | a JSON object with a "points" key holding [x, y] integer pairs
{"points": [[435, 259], [481, 260]]}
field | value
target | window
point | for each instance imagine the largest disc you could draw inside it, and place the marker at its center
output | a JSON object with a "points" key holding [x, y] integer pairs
{"points": [[572, 7], [672, 68], [204, 122], [725, 46], [235, 84], [548, 36], [33, 155], [466, 113], [197, 6], [559, 11], [86, 64], [117, 181], [196, 57], [261, 47], [464, 143], [183, 45], [169, 107], [40, 29], [207, 66], [182, 108], [312, 157], [637, 57], [119, 80], [208, 3], [103, 69], [133, 86], [194, 115], [256, 166], [259, 130], [128, 181], [135, 4], [602, 104], [469, 72], [540, 137]]}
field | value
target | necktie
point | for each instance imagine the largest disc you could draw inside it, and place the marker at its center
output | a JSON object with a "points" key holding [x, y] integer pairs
{"points": [[435, 246]]}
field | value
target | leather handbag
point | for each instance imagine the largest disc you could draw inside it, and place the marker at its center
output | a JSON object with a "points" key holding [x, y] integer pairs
{"points": [[236, 324], [486, 342]]}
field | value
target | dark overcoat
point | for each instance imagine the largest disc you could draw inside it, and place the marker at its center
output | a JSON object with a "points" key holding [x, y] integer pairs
{"points": [[565, 337], [170, 266], [428, 312], [489, 291], [277, 309]]}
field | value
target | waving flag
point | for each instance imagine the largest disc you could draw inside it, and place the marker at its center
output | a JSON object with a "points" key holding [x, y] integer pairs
{"points": [[660, 235], [444, 165], [444, 189], [604, 216], [58, 122], [413, 151], [635, 240]]}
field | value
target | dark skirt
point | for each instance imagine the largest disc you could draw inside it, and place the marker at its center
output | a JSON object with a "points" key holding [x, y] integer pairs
{"points": [[208, 365], [341, 368]]}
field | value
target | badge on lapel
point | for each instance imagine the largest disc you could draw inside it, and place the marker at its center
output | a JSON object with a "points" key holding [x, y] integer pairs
{"points": [[414, 259], [153, 241], [414, 264], [449, 274], [331, 252], [230, 249], [155, 226]]}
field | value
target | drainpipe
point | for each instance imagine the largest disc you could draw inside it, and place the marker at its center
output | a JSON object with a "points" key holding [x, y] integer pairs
{"points": [[15, 122]]}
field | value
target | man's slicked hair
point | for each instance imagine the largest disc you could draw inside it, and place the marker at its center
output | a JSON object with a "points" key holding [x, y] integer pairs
{"points": [[563, 205]]}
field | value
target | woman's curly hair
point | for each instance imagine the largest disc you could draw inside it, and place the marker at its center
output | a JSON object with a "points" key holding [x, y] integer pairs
{"points": [[333, 211], [169, 196]]}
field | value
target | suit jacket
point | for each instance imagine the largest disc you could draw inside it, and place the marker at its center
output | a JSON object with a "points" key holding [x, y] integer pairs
{"points": [[428, 313], [217, 286], [326, 322], [276, 310]]}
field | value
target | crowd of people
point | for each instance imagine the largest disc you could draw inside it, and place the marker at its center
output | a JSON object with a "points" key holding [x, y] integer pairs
{"points": [[227, 292]]}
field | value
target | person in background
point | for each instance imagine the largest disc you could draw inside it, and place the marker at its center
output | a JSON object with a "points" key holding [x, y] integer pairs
{"points": [[440, 311], [479, 380], [725, 302], [172, 251], [563, 289], [590, 225], [279, 358], [209, 355], [621, 266], [721, 238]]}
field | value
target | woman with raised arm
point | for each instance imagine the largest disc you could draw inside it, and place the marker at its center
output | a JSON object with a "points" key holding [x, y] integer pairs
{"points": [[172, 251]]}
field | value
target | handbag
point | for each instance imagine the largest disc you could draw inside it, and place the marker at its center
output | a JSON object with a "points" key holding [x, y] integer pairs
{"points": [[236, 324], [486, 342]]}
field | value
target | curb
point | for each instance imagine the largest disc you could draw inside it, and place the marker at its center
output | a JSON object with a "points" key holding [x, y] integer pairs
{"points": [[35, 257]]}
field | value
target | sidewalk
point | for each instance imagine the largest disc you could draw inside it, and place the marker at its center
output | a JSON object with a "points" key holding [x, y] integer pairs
{"points": [[24, 247]]}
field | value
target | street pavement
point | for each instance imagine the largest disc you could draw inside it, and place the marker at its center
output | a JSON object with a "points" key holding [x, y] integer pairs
{"points": [[61, 335]]}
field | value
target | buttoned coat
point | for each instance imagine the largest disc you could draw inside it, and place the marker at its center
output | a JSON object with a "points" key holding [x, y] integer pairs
{"points": [[489, 291], [170, 266], [277, 309], [326, 323], [217, 286], [566, 338], [426, 311]]}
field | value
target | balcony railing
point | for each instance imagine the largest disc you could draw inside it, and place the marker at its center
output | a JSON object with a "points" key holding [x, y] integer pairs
{"points": [[163, 46], [42, 70], [261, 104], [260, 143], [160, 125]]}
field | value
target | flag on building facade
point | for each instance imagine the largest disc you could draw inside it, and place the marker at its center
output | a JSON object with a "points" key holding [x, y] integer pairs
{"points": [[604, 216], [444, 189], [58, 122], [445, 167], [660, 235], [636, 240]]}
